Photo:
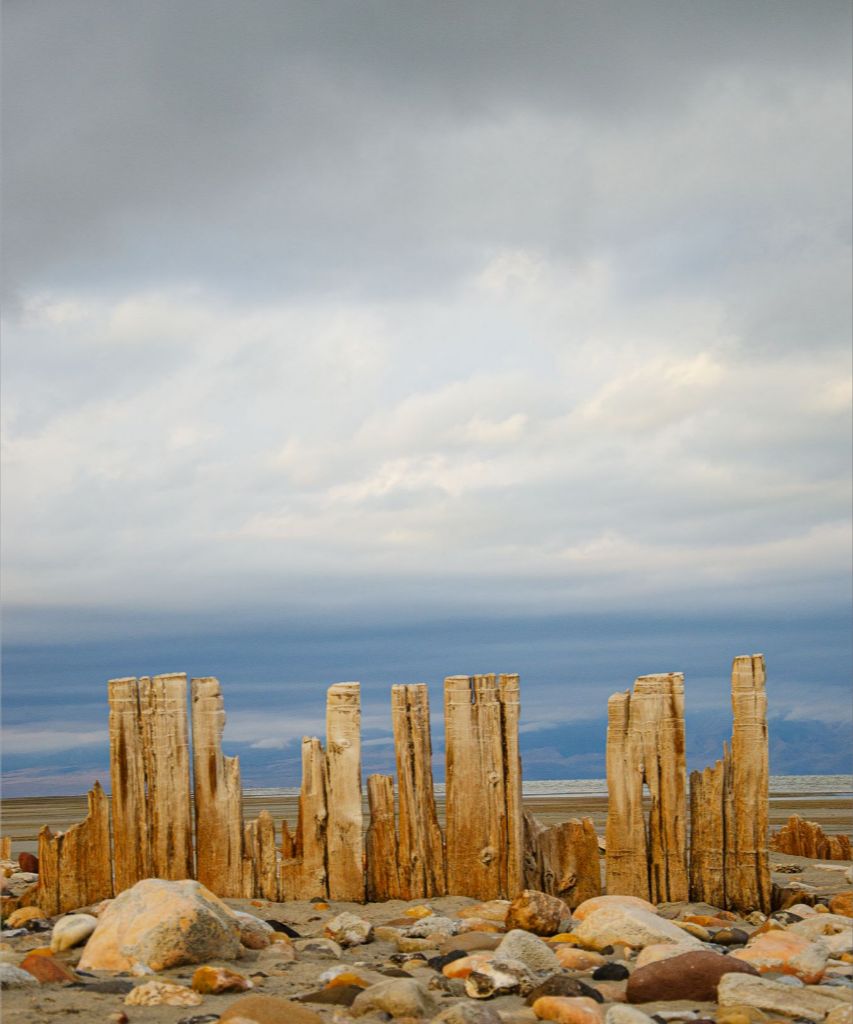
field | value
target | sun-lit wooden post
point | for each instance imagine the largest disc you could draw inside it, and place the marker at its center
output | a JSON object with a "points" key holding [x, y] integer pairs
{"points": [[384, 864], [127, 775], [304, 872]]}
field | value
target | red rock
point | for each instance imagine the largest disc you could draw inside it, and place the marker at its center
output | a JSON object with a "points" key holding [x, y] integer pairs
{"points": [[689, 976], [47, 970], [28, 862]]}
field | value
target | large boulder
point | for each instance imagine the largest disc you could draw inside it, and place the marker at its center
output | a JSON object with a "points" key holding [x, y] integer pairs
{"points": [[764, 994], [630, 926], [162, 924], [785, 952]]}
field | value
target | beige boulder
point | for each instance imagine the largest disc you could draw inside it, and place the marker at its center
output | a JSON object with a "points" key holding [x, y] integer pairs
{"points": [[159, 924], [630, 926]]}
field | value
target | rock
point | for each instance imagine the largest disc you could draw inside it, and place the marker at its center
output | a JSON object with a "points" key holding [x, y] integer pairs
{"points": [[348, 930], [407, 945], [786, 953], [469, 941], [492, 910], [162, 993], [338, 995], [348, 974], [574, 959], [162, 924], [698, 931], [597, 902], [14, 977], [467, 1013], [401, 997], [71, 930], [631, 926], [692, 975], [18, 918], [28, 863], [731, 937], [568, 1010], [660, 951], [833, 929], [269, 1010], [840, 1015], [762, 994], [119, 1017], [529, 949], [111, 986], [419, 911], [461, 967], [613, 991], [210, 979], [611, 972], [495, 979], [563, 985], [537, 912], [255, 933], [842, 904], [319, 949], [432, 925], [627, 1015], [47, 970]]}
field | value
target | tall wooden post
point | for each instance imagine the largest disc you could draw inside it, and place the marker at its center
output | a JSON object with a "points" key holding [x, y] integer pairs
{"points": [[645, 743], [163, 712], [343, 755], [384, 864], [304, 874], [218, 796], [482, 857], [421, 847], [127, 775]]}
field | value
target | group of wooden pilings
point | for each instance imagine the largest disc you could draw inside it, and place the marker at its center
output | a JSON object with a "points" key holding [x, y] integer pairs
{"points": [[177, 805], [728, 852]]}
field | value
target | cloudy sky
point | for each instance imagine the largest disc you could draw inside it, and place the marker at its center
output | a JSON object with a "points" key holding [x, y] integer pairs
{"points": [[330, 320]]}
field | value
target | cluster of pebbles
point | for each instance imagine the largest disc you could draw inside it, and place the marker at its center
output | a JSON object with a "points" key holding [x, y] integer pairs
{"points": [[172, 952]]}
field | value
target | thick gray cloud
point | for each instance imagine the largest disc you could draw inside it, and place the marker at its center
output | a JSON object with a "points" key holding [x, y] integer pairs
{"points": [[487, 303]]}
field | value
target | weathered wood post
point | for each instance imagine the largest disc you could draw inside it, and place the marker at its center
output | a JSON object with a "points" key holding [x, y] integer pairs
{"points": [[729, 864], [421, 846], [345, 854], [218, 795], [384, 864], [645, 744], [166, 750], [484, 854], [127, 776], [304, 871]]}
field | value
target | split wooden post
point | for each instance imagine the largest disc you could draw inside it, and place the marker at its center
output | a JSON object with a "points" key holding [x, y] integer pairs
{"points": [[800, 838], [384, 864], [421, 846], [163, 714], [562, 860], [304, 873], [484, 854], [127, 775], [218, 796], [645, 744], [729, 864], [5, 847], [345, 849]]}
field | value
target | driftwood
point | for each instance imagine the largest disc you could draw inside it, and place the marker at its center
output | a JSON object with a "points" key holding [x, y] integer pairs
{"points": [[218, 795], [645, 745], [384, 865], [345, 853], [801, 838], [484, 829], [75, 867], [729, 859], [421, 847], [562, 860]]}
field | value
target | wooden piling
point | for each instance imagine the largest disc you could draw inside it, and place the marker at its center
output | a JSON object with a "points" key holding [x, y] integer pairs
{"points": [[304, 875], [707, 832], [345, 856], [483, 845], [384, 864], [163, 715], [127, 775], [801, 838], [218, 796], [645, 744], [421, 845]]}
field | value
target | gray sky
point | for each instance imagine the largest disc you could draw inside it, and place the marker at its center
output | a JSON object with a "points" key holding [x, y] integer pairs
{"points": [[391, 306]]}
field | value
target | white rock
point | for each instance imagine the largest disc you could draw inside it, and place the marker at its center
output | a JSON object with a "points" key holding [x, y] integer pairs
{"points": [[71, 930], [432, 925], [401, 997], [840, 1015], [254, 933], [763, 994], [624, 1014], [348, 930], [529, 949], [833, 929], [492, 980], [14, 977], [631, 926]]}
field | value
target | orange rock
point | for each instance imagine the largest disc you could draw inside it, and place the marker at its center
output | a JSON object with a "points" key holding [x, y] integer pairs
{"points": [[462, 967], [842, 904], [348, 978], [578, 959], [270, 1010], [491, 910], [47, 970], [706, 920], [785, 952], [419, 911], [321, 906], [41, 951], [18, 918], [489, 927], [568, 1010], [727, 915], [597, 902], [209, 979]]}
